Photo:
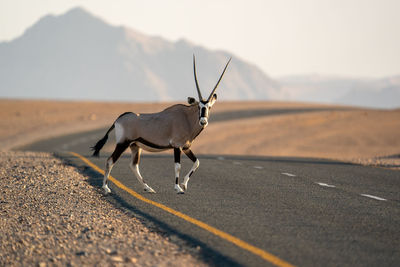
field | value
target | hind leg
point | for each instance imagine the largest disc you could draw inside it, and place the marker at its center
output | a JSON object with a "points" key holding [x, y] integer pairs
{"points": [[119, 149], [135, 167]]}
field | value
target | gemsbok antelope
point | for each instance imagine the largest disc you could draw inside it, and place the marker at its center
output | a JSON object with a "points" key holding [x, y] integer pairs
{"points": [[175, 128]]}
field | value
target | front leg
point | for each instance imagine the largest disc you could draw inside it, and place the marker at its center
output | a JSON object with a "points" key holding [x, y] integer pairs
{"points": [[177, 157], [196, 164]]}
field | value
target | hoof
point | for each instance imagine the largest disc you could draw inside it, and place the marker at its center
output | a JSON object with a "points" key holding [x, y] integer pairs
{"points": [[184, 187], [148, 189], [106, 190], [179, 190]]}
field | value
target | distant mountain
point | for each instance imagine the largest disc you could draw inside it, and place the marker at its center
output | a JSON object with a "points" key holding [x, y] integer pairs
{"points": [[380, 93], [375, 93], [79, 56]]}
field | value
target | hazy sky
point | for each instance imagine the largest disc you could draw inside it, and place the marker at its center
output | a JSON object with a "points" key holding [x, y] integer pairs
{"points": [[283, 37]]}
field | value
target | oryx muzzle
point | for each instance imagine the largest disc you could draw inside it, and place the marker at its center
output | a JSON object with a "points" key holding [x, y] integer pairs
{"points": [[175, 128]]}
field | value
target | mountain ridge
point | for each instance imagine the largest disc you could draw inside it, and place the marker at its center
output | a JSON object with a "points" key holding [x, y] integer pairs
{"points": [[79, 56]]}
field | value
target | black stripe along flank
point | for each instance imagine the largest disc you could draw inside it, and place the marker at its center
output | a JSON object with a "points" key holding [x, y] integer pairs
{"points": [[150, 144]]}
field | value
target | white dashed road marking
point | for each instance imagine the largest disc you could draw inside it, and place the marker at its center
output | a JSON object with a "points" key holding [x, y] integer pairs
{"points": [[318, 183], [288, 174], [374, 197], [325, 185], [220, 158]]}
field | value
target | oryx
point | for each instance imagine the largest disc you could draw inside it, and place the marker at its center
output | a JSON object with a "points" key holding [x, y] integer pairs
{"points": [[173, 128]]}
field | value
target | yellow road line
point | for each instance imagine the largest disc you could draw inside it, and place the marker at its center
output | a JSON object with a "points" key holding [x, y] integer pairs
{"points": [[238, 242]]}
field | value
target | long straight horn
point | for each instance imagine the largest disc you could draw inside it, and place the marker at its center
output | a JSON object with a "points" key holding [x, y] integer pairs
{"points": [[215, 88], [195, 79]]}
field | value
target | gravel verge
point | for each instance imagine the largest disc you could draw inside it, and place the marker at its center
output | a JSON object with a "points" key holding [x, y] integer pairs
{"points": [[389, 162], [51, 216]]}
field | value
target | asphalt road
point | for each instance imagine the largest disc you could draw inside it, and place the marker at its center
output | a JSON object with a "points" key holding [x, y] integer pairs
{"points": [[307, 212]]}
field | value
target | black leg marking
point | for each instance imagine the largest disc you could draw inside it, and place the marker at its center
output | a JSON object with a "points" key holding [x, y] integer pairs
{"points": [[190, 155], [136, 151], [119, 149], [190, 174], [177, 155]]}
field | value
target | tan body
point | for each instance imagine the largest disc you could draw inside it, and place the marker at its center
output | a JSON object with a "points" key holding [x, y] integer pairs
{"points": [[174, 127]]}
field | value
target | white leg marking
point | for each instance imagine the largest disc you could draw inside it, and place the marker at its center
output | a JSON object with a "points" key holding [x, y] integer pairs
{"points": [[146, 187], [196, 164], [177, 188], [374, 197], [109, 165], [177, 169]]}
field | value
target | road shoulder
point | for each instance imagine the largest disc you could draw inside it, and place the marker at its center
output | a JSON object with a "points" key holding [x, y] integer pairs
{"points": [[51, 215]]}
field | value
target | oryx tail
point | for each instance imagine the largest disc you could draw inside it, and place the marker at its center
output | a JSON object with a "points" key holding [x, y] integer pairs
{"points": [[99, 145]]}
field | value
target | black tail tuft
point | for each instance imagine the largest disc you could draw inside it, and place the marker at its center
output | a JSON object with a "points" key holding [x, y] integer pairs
{"points": [[99, 145]]}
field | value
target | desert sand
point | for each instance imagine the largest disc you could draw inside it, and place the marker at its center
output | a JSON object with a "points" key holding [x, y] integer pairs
{"points": [[335, 132]]}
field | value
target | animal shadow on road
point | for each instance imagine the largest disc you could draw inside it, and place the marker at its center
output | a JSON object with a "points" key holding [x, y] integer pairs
{"points": [[206, 253]]}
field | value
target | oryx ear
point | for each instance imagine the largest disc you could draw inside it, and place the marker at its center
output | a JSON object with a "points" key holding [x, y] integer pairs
{"points": [[191, 100], [213, 99]]}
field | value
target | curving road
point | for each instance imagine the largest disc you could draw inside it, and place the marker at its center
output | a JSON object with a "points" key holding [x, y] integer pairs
{"points": [[305, 212]]}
